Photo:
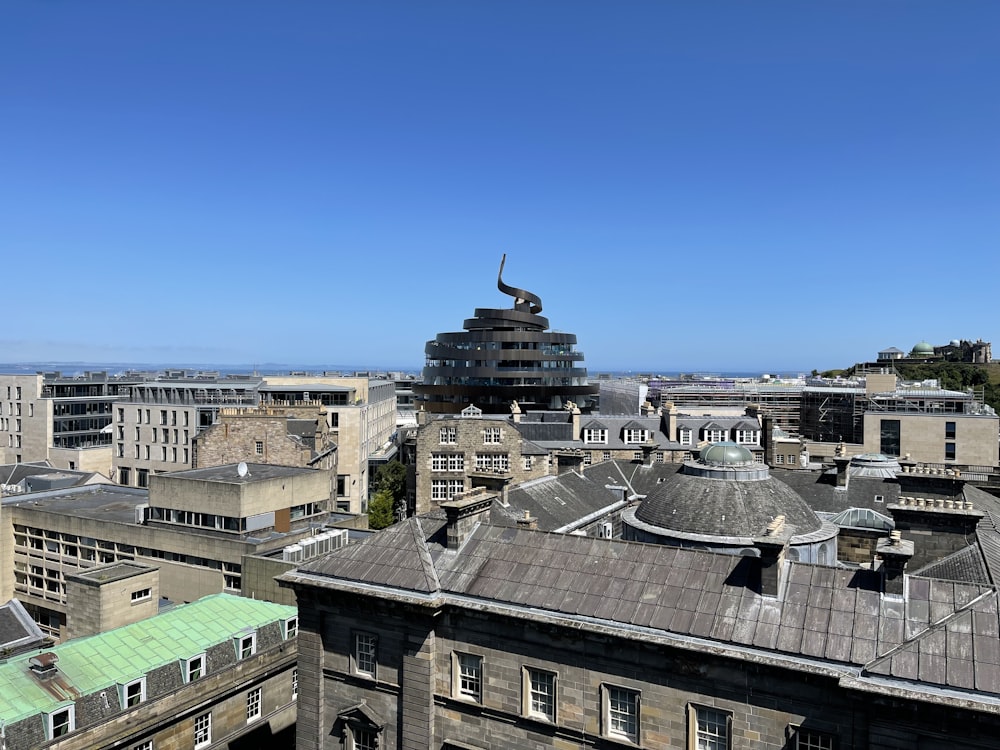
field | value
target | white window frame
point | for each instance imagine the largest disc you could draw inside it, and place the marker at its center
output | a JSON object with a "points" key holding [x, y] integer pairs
{"points": [[448, 436], [254, 700], [203, 730], [636, 437], [70, 723], [124, 692], [291, 627], [295, 684], [364, 656], [746, 437], [141, 595], [594, 435], [705, 732], [492, 436], [246, 645], [467, 676], [188, 663], [147, 745], [620, 710], [779, 458], [685, 436], [714, 435], [536, 698], [810, 739]]}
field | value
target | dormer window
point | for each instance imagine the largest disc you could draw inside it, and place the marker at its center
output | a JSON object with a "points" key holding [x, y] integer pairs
{"points": [[194, 668], [714, 435], [246, 645], [746, 437], [634, 436], [291, 628], [133, 693], [61, 721], [595, 435], [685, 437]]}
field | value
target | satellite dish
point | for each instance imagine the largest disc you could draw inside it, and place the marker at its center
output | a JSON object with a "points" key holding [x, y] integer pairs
{"points": [[242, 469]]}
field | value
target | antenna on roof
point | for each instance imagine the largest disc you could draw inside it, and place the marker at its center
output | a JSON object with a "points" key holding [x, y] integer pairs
{"points": [[242, 469]]}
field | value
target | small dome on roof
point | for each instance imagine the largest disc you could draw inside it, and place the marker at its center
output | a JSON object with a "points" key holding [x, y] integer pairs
{"points": [[922, 348], [726, 454]]}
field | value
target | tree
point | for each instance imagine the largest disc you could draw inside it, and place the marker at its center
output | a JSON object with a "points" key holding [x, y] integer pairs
{"points": [[390, 493], [381, 511]]}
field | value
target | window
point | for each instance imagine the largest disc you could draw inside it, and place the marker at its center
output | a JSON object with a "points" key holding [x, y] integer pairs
{"points": [[203, 730], [496, 462], [637, 456], [621, 712], [889, 437], [606, 456], [133, 693], [295, 684], [253, 705], [588, 458], [949, 430], [62, 722], [809, 739], [492, 436], [291, 627], [343, 488], [163, 453], [365, 646], [448, 436], [147, 745], [708, 728], [258, 447], [595, 435], [779, 458], [540, 694], [246, 646], [467, 671], [363, 739], [715, 435], [746, 436], [163, 416], [194, 668], [140, 595], [446, 489], [526, 463], [949, 451], [447, 462], [636, 436]]}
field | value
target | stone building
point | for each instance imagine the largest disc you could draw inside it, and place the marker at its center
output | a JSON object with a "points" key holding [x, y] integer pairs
{"points": [[219, 672], [195, 526], [455, 634]]}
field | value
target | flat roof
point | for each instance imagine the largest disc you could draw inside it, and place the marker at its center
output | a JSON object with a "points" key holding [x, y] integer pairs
{"points": [[118, 571], [229, 473], [102, 502]]}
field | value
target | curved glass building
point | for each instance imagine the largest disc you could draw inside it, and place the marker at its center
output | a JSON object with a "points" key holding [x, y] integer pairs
{"points": [[502, 356]]}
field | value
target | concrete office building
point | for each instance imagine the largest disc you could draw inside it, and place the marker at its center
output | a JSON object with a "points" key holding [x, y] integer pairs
{"points": [[218, 672], [195, 526], [156, 427], [62, 419]]}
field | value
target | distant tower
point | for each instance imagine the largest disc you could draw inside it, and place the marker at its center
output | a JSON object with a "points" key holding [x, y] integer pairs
{"points": [[504, 356]]}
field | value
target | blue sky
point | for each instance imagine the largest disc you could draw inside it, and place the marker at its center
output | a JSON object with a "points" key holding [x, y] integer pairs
{"points": [[687, 185]]}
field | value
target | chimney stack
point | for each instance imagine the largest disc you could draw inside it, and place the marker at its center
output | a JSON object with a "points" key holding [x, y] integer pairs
{"points": [[528, 522], [465, 513], [772, 547], [894, 552]]}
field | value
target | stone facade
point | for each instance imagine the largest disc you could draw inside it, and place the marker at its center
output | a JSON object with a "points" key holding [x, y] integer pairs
{"points": [[956, 439], [109, 596], [456, 454]]}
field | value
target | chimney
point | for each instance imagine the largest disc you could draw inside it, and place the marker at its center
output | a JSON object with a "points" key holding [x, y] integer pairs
{"points": [[574, 411], [465, 513], [515, 412], [669, 413], [772, 547], [528, 522], [43, 666], [894, 552], [843, 475]]}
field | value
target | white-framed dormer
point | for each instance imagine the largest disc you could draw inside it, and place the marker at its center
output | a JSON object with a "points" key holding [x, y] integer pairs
{"points": [[132, 692], [635, 436], [290, 628], [194, 668], [685, 436], [60, 721], [595, 434], [246, 645]]}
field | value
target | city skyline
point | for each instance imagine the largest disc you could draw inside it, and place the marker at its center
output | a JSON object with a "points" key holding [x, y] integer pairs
{"points": [[703, 187]]}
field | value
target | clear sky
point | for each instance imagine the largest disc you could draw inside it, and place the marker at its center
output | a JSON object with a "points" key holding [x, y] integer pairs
{"points": [[687, 185]]}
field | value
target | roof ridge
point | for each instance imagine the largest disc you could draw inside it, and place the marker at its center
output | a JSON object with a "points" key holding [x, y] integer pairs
{"points": [[424, 555], [931, 628]]}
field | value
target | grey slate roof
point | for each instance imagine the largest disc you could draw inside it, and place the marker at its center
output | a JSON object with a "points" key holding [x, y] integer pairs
{"points": [[557, 501], [18, 632], [964, 565], [945, 634]]}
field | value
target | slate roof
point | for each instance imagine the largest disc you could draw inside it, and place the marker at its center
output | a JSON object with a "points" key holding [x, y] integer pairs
{"points": [[559, 501], [944, 634], [18, 632]]}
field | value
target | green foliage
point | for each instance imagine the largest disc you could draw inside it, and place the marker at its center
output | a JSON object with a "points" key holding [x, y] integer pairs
{"points": [[381, 510], [391, 478]]}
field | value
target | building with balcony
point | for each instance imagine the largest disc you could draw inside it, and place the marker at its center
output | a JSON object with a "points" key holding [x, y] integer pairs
{"points": [[504, 356]]}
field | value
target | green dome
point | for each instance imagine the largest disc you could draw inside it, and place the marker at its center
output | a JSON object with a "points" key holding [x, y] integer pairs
{"points": [[923, 348], [726, 454]]}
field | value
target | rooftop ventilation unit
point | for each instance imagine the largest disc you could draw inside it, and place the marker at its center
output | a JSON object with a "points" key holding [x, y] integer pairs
{"points": [[292, 553]]}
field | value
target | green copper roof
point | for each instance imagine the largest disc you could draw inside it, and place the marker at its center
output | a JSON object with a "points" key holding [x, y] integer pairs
{"points": [[98, 662]]}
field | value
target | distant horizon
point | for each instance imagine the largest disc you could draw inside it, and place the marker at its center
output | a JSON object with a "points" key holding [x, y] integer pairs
{"points": [[74, 367]]}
